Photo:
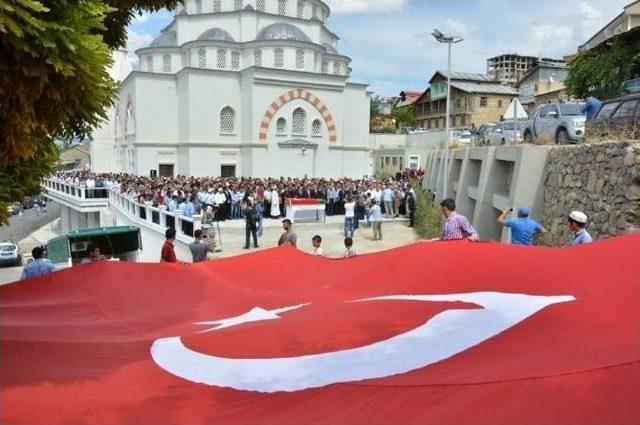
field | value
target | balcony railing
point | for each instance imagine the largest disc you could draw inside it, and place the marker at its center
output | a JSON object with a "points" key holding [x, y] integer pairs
{"points": [[156, 218]]}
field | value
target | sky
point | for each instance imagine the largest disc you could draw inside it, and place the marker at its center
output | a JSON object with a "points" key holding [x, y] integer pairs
{"points": [[391, 47]]}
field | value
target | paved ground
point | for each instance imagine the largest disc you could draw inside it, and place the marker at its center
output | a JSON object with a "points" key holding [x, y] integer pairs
{"points": [[21, 232], [395, 233]]}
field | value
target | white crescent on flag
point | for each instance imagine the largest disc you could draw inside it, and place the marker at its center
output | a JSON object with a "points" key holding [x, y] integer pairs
{"points": [[446, 334]]}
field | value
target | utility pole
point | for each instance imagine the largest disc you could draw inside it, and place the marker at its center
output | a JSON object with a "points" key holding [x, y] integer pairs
{"points": [[448, 39]]}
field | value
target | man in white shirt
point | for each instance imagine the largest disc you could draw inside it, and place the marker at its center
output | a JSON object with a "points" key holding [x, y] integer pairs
{"points": [[349, 216], [375, 215]]}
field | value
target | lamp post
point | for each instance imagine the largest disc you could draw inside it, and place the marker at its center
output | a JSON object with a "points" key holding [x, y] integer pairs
{"points": [[449, 40]]}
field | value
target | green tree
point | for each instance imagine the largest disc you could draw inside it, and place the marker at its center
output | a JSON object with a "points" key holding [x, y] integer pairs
{"points": [[605, 68], [405, 116], [54, 81]]}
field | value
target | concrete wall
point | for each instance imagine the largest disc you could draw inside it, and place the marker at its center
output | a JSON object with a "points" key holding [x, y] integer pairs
{"points": [[597, 179], [484, 180]]}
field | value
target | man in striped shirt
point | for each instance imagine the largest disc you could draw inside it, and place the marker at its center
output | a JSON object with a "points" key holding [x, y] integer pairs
{"points": [[455, 225]]}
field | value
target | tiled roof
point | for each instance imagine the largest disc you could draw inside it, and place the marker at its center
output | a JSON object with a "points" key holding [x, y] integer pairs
{"points": [[493, 88]]}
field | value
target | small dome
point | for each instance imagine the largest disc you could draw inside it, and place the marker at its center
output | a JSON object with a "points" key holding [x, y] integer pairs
{"points": [[330, 49], [215, 34], [165, 39], [282, 31]]}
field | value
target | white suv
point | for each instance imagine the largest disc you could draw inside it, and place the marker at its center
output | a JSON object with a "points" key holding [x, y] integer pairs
{"points": [[10, 254]]}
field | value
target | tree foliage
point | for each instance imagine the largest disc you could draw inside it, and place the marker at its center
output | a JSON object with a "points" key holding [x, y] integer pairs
{"points": [[54, 81], [405, 116], [605, 68]]}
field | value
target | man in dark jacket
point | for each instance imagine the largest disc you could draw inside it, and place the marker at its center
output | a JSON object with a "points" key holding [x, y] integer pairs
{"points": [[410, 207]]}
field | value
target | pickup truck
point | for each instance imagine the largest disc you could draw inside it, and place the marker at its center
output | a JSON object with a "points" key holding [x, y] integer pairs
{"points": [[558, 122]]}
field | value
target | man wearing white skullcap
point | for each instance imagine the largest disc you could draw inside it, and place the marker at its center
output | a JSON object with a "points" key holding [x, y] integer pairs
{"points": [[577, 223]]}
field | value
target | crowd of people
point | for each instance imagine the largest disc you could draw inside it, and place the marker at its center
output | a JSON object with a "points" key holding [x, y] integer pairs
{"points": [[253, 199]]}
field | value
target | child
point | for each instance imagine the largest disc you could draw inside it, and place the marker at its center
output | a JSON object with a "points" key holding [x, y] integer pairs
{"points": [[316, 241], [348, 244]]}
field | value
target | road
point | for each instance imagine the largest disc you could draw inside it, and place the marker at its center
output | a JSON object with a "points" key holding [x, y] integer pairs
{"points": [[19, 229]]}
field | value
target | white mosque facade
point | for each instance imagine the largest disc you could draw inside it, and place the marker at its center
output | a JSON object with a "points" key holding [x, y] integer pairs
{"points": [[239, 88]]}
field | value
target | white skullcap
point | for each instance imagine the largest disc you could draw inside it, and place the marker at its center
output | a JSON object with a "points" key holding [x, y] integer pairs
{"points": [[578, 216]]}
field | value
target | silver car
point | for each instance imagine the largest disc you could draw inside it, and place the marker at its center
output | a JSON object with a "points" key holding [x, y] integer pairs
{"points": [[10, 254], [503, 134]]}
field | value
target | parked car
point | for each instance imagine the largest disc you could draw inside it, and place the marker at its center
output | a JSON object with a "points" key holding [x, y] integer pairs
{"points": [[502, 134], [555, 122], [14, 208], [482, 135], [10, 254], [462, 137], [28, 202], [619, 117]]}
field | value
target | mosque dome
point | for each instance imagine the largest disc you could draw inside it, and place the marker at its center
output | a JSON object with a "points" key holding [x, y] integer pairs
{"points": [[330, 49], [165, 39], [282, 31], [215, 34]]}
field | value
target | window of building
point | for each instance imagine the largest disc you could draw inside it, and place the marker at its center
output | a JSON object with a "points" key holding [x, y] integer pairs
{"points": [[299, 122], [235, 59], [300, 59], [281, 126], [414, 162], [227, 120], [222, 58], [237, 5], [278, 57], [458, 103], [150, 63], [463, 120], [337, 68], [166, 63], [257, 57], [260, 5], [300, 9], [325, 67], [282, 7], [499, 103], [217, 6], [484, 101], [314, 11], [315, 127], [198, 6], [202, 57], [394, 160]]}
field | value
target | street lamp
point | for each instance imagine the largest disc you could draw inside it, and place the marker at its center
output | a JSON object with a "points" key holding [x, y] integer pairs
{"points": [[448, 39]]}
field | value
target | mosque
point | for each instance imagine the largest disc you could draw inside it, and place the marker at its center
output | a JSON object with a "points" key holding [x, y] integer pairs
{"points": [[238, 88]]}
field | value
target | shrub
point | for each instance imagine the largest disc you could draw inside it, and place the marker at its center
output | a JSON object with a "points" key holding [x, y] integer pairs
{"points": [[428, 221]]}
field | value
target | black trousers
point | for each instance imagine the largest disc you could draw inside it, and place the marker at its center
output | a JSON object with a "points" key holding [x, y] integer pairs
{"points": [[411, 215], [251, 229]]}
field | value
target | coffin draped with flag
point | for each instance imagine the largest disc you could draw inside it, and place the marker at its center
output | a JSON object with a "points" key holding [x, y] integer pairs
{"points": [[554, 338]]}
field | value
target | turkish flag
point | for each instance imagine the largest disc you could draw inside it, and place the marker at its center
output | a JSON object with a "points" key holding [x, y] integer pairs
{"points": [[431, 333]]}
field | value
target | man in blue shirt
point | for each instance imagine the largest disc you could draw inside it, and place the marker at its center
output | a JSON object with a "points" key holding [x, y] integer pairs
{"points": [[591, 107], [523, 228], [577, 224], [39, 266]]}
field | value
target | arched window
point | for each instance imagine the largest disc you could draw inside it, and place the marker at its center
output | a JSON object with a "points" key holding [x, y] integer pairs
{"points": [[149, 63], [300, 59], [227, 120], [300, 10], [235, 59], [202, 57], [325, 67], [260, 5], [257, 57], [130, 123], [237, 5], [278, 57], [337, 68], [299, 122], [217, 6], [314, 11], [166, 63], [222, 58], [315, 127], [198, 6], [281, 126], [282, 7]]}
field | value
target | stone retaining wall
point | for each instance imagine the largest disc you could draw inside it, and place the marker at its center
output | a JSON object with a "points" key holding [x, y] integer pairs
{"points": [[599, 179]]}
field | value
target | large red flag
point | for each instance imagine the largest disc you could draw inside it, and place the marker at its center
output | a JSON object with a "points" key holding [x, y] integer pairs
{"points": [[432, 333]]}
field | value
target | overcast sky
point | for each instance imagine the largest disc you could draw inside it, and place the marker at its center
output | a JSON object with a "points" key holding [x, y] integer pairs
{"points": [[392, 50]]}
